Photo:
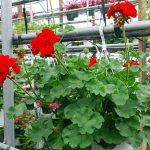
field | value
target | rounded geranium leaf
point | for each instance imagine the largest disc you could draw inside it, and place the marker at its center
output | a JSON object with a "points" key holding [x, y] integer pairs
{"points": [[110, 134], [84, 76], [74, 138], [128, 127], [42, 128], [128, 110], [87, 120], [120, 95], [60, 90], [70, 110], [143, 94]]}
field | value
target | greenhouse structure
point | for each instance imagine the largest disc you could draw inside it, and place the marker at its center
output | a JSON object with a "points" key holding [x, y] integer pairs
{"points": [[75, 75]]}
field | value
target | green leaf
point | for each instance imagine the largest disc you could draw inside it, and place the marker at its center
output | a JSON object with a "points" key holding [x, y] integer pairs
{"points": [[74, 138], [134, 68], [85, 118], [135, 141], [55, 140], [128, 127], [68, 28], [60, 90], [16, 111], [29, 100], [143, 94], [98, 87], [84, 76], [146, 120], [42, 128], [115, 65], [120, 95], [110, 134], [128, 110], [69, 110], [60, 47], [75, 83]]}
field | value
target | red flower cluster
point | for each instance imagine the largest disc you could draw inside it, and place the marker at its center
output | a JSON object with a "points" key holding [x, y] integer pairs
{"points": [[7, 64], [44, 42], [54, 105], [25, 119], [17, 120], [92, 62], [132, 62], [122, 12]]}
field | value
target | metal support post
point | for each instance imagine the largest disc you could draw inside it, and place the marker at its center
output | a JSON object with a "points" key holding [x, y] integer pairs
{"points": [[8, 93]]}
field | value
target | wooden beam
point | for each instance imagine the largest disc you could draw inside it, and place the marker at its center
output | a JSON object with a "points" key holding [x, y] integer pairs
{"points": [[19, 7], [142, 41]]}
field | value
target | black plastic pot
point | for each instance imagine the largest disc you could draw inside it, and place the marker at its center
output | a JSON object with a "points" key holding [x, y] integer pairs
{"points": [[71, 16]]}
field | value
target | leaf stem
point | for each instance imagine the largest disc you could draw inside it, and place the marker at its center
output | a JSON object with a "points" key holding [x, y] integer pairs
{"points": [[45, 141], [20, 87], [62, 64], [28, 79]]}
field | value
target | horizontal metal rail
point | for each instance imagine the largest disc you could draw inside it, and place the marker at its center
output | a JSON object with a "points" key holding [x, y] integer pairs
{"points": [[6, 147], [134, 29], [110, 47], [23, 2]]}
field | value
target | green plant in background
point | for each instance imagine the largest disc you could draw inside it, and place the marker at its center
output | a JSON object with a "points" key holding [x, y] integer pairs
{"points": [[1, 134], [19, 27]]}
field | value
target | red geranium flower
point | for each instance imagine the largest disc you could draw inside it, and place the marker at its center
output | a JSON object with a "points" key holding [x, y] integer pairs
{"points": [[122, 12], [55, 129], [44, 42], [92, 62], [20, 54], [24, 115], [54, 105], [7, 64], [132, 62], [24, 125]]}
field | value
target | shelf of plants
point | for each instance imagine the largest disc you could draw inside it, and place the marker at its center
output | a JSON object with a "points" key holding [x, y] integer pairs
{"points": [[75, 102]]}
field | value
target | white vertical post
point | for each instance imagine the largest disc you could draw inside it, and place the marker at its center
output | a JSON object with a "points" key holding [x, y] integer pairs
{"points": [[87, 5], [8, 93]]}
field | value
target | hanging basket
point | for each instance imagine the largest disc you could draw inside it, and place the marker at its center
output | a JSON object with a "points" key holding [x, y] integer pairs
{"points": [[91, 12], [72, 16]]}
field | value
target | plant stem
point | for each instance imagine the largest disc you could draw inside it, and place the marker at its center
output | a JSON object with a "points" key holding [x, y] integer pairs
{"points": [[28, 79], [62, 64], [20, 87], [127, 53], [46, 143]]}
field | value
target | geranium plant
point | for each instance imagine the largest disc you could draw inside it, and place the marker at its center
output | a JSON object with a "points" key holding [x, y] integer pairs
{"points": [[87, 100]]}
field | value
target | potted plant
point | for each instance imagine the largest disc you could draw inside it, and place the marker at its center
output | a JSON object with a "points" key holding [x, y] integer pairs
{"points": [[69, 5], [90, 100]]}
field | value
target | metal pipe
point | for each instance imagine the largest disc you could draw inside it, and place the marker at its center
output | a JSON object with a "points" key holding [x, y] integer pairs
{"points": [[23, 2], [140, 28], [8, 89], [6, 147]]}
